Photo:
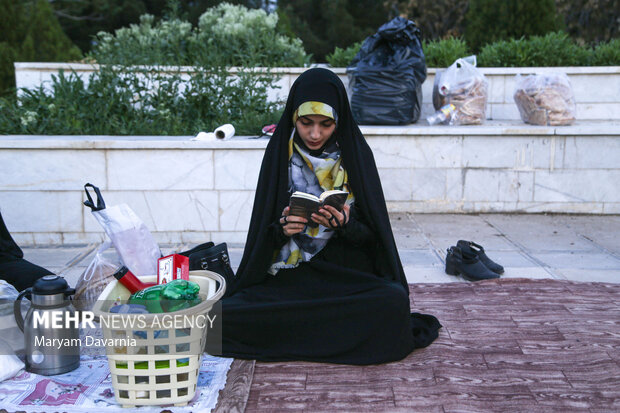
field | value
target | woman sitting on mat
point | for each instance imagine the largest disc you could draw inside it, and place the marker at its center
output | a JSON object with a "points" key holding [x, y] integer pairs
{"points": [[336, 293]]}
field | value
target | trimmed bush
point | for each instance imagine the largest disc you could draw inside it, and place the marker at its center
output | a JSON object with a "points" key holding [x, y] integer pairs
{"points": [[343, 57], [438, 53], [607, 54], [553, 49], [442, 53]]}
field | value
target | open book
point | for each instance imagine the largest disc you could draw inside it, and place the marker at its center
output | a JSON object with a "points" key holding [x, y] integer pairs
{"points": [[304, 205]]}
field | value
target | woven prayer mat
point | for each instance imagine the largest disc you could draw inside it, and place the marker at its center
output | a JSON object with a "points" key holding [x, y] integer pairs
{"points": [[506, 345]]}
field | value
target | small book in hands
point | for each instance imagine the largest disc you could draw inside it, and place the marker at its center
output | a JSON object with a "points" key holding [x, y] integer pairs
{"points": [[304, 205]]}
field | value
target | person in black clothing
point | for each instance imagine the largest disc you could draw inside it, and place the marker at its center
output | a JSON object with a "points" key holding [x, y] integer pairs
{"points": [[336, 293], [14, 269]]}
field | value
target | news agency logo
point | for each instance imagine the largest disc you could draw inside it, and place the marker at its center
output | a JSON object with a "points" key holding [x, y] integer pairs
{"points": [[86, 319]]}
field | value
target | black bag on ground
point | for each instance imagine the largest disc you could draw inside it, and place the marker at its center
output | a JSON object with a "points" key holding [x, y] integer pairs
{"points": [[211, 257], [386, 76]]}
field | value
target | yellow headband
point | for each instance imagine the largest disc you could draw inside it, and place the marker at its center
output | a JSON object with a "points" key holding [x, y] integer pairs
{"points": [[315, 108]]}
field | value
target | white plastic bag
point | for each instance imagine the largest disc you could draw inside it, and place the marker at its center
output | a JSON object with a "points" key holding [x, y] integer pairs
{"points": [[464, 86], [545, 99], [10, 364], [131, 238], [95, 278], [9, 331]]}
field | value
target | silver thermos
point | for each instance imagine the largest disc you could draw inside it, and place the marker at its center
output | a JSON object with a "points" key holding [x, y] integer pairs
{"points": [[51, 330]]}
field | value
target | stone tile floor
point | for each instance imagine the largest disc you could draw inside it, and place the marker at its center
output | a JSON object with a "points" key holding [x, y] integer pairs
{"points": [[561, 247]]}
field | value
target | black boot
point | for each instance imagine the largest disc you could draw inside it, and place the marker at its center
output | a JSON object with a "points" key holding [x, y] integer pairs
{"points": [[473, 248], [201, 247], [468, 265], [213, 258]]}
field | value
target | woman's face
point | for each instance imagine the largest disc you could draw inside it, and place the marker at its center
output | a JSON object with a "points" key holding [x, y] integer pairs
{"points": [[315, 130]]}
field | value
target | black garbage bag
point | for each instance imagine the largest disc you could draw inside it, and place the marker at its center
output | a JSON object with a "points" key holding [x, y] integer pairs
{"points": [[386, 76]]}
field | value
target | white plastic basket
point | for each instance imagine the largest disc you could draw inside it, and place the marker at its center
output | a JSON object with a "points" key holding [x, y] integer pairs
{"points": [[162, 367]]}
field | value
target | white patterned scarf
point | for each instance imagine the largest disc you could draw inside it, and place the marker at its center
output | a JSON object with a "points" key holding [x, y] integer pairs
{"points": [[313, 175]]}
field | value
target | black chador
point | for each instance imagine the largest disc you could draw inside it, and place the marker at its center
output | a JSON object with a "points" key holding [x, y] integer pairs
{"points": [[349, 303]]}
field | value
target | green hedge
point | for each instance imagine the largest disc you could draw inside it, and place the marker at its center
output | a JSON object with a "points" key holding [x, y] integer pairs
{"points": [[607, 54], [441, 53], [342, 57], [552, 49]]}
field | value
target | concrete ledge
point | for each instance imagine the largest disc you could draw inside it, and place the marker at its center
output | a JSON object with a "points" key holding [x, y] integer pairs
{"points": [[489, 128], [191, 191], [596, 88]]}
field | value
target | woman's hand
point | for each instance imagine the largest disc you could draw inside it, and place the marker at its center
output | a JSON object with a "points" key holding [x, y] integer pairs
{"points": [[328, 215], [292, 224]]}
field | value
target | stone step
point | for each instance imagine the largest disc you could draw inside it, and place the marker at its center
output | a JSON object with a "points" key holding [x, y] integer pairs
{"points": [[188, 191]]}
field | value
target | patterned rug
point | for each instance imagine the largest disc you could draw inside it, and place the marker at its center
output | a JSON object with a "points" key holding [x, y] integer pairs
{"points": [[506, 345]]}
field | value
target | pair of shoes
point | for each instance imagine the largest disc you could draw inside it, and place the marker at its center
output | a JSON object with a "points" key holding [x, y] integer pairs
{"points": [[473, 248], [469, 260]]}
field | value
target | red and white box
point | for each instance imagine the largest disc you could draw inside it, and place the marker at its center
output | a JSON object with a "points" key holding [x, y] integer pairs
{"points": [[172, 267]]}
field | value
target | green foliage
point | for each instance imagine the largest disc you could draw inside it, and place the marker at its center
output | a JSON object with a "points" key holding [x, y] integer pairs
{"points": [[436, 19], [131, 95], [607, 54], [82, 19], [488, 21], [553, 49], [227, 35], [442, 53], [438, 53], [236, 36], [44, 39], [119, 101], [590, 21], [30, 32], [7, 72], [13, 23], [164, 43], [325, 24], [342, 57]]}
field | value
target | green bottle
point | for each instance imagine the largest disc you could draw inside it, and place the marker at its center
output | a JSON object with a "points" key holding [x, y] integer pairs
{"points": [[164, 298]]}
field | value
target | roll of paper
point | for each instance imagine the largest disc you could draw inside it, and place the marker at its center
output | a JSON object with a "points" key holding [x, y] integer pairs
{"points": [[204, 136], [225, 132]]}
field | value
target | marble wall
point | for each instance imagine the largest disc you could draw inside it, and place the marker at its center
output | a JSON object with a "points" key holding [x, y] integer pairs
{"points": [[192, 191]]}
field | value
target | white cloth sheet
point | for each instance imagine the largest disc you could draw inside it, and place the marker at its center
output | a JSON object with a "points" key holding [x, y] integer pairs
{"points": [[89, 389]]}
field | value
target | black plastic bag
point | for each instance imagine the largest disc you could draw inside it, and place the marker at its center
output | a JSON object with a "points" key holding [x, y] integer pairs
{"points": [[386, 76]]}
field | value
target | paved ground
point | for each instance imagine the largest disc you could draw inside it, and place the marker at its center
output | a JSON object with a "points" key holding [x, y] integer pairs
{"points": [[562, 247]]}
